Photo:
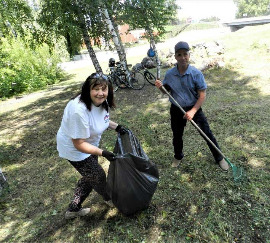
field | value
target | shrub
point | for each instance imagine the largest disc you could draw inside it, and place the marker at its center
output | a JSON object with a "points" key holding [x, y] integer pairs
{"points": [[24, 69]]}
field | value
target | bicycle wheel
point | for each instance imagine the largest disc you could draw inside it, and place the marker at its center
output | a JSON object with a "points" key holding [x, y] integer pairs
{"points": [[122, 81], [150, 78], [137, 80]]}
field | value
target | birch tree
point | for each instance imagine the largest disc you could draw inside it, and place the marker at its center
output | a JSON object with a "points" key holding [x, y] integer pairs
{"points": [[150, 15], [115, 38], [79, 20], [84, 20]]}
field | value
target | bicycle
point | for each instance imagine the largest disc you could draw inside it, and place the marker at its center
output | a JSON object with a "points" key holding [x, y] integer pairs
{"points": [[148, 76], [120, 79]]}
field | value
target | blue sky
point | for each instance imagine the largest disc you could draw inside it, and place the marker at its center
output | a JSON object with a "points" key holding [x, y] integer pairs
{"points": [[198, 9]]}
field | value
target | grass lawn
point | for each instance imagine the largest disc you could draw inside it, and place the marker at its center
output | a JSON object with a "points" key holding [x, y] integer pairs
{"points": [[195, 203]]}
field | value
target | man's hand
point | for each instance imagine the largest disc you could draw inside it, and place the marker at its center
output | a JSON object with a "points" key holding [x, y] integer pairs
{"points": [[109, 155], [190, 114], [158, 84]]}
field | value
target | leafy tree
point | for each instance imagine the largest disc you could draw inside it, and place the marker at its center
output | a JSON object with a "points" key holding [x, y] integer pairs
{"points": [[15, 18], [211, 19], [57, 20], [79, 21], [252, 8], [83, 20], [150, 15]]}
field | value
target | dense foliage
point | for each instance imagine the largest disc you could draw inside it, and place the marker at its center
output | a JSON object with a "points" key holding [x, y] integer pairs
{"points": [[24, 69], [252, 8], [150, 15], [15, 16], [29, 31], [70, 18], [26, 63]]}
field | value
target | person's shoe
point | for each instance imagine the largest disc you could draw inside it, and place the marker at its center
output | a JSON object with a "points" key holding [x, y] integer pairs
{"points": [[176, 162], [109, 203], [223, 164], [80, 213]]}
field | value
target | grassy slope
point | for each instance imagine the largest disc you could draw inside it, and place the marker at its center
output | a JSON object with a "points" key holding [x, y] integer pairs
{"points": [[196, 203]]}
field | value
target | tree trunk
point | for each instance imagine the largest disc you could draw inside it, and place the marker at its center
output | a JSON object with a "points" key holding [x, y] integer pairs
{"points": [[115, 26], [153, 44], [90, 49], [116, 40], [69, 45]]}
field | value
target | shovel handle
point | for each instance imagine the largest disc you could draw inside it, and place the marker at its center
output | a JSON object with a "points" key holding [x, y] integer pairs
{"points": [[193, 123]]}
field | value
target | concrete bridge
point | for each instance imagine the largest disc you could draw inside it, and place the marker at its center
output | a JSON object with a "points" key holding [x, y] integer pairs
{"points": [[240, 23]]}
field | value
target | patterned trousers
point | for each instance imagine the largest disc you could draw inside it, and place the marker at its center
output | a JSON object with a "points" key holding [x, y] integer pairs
{"points": [[93, 177]]}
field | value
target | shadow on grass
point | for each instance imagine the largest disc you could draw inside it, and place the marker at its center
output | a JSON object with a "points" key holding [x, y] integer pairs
{"points": [[195, 202]]}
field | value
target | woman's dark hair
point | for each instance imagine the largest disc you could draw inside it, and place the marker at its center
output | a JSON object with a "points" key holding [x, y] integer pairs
{"points": [[93, 80]]}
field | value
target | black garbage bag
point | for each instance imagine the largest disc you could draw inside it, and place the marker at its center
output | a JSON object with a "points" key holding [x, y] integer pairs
{"points": [[132, 177]]}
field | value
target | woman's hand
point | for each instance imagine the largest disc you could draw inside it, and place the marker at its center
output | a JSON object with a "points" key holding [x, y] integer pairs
{"points": [[108, 155], [122, 130]]}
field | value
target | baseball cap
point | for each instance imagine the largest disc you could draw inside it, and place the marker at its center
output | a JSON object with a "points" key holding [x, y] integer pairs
{"points": [[181, 45]]}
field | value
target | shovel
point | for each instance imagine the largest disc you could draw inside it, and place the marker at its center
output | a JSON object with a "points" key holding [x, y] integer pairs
{"points": [[237, 172]]}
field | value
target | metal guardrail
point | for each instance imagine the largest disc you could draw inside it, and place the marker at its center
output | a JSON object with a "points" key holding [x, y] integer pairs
{"points": [[240, 23]]}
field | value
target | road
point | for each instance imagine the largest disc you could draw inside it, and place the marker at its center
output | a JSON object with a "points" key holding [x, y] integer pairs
{"points": [[194, 36]]}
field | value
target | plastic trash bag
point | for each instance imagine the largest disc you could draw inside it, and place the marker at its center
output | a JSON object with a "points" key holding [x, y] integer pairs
{"points": [[149, 63], [151, 52], [132, 177]]}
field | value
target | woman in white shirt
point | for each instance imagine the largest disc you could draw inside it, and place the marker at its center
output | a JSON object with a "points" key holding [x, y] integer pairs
{"points": [[85, 118]]}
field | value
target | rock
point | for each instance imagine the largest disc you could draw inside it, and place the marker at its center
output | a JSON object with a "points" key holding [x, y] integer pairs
{"points": [[203, 56]]}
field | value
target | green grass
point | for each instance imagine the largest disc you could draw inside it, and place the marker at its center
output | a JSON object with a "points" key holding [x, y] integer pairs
{"points": [[173, 30], [195, 203]]}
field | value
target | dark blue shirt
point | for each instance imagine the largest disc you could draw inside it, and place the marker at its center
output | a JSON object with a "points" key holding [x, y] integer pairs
{"points": [[184, 88]]}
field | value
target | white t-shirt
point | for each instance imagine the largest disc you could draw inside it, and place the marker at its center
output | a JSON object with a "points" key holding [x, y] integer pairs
{"points": [[79, 122]]}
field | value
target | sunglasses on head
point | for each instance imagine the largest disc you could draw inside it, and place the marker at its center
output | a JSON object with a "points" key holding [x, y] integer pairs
{"points": [[99, 76]]}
